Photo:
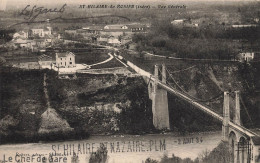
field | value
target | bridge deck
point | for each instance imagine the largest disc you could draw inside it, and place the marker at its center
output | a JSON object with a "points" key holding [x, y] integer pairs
{"points": [[205, 109]]}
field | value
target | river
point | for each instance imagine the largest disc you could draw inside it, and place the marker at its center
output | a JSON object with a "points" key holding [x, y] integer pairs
{"points": [[121, 149]]}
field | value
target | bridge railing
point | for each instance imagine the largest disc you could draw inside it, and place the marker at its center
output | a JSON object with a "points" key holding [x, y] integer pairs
{"points": [[242, 129]]}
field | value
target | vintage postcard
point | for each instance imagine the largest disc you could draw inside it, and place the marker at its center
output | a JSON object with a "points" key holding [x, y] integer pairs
{"points": [[130, 81]]}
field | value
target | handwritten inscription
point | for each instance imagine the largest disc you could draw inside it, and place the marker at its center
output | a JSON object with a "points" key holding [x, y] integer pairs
{"points": [[190, 140], [31, 13]]}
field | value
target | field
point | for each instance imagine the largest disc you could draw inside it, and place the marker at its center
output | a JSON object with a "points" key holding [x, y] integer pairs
{"points": [[90, 57]]}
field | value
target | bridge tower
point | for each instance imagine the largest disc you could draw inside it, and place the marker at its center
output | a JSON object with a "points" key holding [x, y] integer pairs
{"points": [[226, 117], [160, 101], [237, 109]]}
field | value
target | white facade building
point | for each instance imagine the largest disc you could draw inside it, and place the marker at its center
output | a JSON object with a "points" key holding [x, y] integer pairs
{"points": [[65, 60]]}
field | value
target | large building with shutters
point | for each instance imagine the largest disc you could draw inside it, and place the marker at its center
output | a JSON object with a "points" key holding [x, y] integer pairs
{"points": [[65, 60]]}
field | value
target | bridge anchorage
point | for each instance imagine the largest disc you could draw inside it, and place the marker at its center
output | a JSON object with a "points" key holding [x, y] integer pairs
{"points": [[244, 144]]}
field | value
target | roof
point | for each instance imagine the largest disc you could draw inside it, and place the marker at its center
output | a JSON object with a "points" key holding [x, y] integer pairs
{"points": [[179, 21], [45, 29], [136, 26], [29, 40], [94, 27], [244, 25], [37, 29], [115, 26], [39, 40], [256, 140], [47, 37], [20, 41], [21, 32], [64, 54], [71, 30], [117, 30]]}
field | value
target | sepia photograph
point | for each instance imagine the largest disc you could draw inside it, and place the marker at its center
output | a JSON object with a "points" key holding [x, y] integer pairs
{"points": [[129, 81]]}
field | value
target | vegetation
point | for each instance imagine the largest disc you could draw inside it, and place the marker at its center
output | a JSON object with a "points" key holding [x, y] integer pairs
{"points": [[6, 35], [19, 87], [138, 113], [210, 42], [21, 103], [187, 119], [250, 93]]}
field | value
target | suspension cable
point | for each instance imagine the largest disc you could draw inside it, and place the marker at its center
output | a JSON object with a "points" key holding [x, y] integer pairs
{"points": [[184, 69], [188, 95], [245, 108], [197, 100]]}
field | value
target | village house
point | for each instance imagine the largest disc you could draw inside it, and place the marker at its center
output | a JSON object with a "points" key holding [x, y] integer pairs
{"points": [[137, 27], [65, 60], [47, 31], [30, 44], [185, 23], [125, 40], [102, 39], [21, 34], [41, 32], [114, 41], [40, 43], [21, 43], [48, 40], [178, 21], [244, 26], [123, 30], [38, 32], [116, 26], [116, 30], [94, 29], [247, 56], [71, 31]]}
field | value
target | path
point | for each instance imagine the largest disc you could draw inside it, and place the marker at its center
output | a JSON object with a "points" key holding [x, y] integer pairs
{"points": [[109, 59]]}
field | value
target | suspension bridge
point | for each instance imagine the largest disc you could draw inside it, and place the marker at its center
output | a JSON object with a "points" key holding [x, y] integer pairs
{"points": [[244, 143]]}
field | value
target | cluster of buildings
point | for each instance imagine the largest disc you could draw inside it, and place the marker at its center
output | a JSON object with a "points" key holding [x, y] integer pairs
{"points": [[116, 34], [61, 60], [36, 39]]}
